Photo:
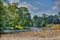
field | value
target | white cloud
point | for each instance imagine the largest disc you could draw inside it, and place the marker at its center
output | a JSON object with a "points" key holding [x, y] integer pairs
{"points": [[47, 13], [54, 7], [14, 1], [28, 5], [40, 3], [32, 9], [57, 5]]}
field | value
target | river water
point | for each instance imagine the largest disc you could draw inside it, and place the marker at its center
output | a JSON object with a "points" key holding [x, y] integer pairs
{"points": [[31, 29]]}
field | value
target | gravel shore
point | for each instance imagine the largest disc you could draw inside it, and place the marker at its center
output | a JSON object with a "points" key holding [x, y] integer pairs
{"points": [[33, 35]]}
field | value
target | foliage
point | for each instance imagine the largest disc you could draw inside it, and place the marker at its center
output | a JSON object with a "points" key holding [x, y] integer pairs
{"points": [[43, 28]]}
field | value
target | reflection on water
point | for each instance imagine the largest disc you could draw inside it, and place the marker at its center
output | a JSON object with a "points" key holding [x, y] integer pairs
{"points": [[35, 28], [8, 31], [31, 29]]}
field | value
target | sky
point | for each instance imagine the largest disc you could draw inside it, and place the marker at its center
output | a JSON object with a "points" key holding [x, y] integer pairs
{"points": [[39, 7]]}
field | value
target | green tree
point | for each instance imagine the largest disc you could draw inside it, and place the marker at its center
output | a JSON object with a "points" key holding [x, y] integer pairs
{"points": [[50, 19], [24, 17], [35, 20], [59, 14], [44, 20], [3, 17]]}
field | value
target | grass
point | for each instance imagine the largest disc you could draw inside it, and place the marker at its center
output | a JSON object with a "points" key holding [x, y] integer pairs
{"points": [[54, 26]]}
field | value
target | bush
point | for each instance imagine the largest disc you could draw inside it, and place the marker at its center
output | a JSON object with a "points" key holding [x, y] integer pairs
{"points": [[43, 28]]}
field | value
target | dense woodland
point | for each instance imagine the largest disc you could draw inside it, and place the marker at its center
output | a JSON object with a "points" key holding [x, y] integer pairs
{"points": [[14, 17]]}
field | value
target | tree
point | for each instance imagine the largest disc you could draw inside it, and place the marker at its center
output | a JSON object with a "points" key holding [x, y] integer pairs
{"points": [[50, 19], [24, 17], [3, 16], [39, 21], [57, 21], [35, 20], [44, 20], [59, 14]]}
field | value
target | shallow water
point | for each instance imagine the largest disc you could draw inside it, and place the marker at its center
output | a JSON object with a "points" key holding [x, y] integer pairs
{"points": [[31, 29]]}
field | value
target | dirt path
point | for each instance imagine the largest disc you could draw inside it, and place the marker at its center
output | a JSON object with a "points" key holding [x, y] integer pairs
{"points": [[33, 35]]}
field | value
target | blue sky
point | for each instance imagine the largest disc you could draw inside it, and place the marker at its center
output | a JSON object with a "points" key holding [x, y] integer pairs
{"points": [[38, 7]]}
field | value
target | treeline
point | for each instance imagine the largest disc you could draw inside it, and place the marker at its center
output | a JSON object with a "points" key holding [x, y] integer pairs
{"points": [[14, 17], [46, 20]]}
